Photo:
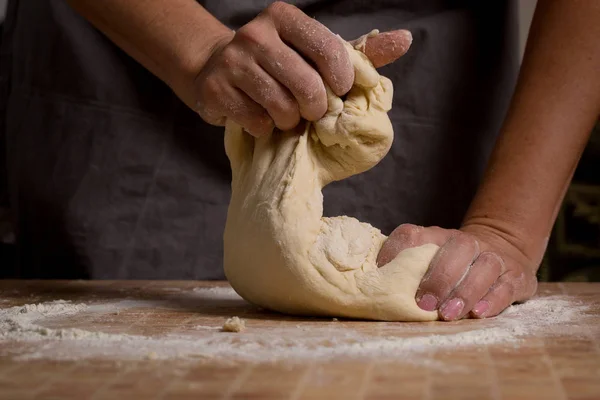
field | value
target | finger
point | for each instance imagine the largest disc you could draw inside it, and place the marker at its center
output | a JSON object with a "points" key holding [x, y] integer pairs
{"points": [[449, 266], [509, 288], [384, 48], [313, 40], [237, 106], [293, 72], [406, 236], [481, 276], [270, 94]]}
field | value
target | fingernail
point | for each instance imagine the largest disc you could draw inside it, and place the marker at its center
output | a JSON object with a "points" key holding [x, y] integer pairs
{"points": [[428, 302], [481, 308], [407, 35], [452, 309]]}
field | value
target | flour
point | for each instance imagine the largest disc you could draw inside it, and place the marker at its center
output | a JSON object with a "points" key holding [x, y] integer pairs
{"points": [[25, 326], [217, 293], [16, 323], [207, 328]]}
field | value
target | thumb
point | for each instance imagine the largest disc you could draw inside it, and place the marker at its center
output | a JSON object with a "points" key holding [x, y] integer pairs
{"points": [[384, 48]]}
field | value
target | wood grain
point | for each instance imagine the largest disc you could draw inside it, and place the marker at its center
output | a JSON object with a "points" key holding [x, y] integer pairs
{"points": [[561, 366]]}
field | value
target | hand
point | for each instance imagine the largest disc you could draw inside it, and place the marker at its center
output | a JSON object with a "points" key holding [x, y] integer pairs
{"points": [[263, 76], [476, 271]]}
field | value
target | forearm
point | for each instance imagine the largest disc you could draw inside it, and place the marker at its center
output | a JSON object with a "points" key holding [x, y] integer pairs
{"points": [[556, 103], [171, 38]]}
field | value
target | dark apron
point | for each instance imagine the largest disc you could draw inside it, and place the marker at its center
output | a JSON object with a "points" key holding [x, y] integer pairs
{"points": [[111, 176]]}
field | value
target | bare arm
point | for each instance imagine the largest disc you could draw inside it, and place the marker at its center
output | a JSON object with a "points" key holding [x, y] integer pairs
{"points": [[173, 39], [259, 77], [492, 260], [555, 106]]}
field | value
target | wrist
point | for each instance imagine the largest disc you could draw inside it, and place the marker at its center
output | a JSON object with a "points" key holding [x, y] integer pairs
{"points": [[173, 40], [192, 58], [200, 47], [525, 245]]}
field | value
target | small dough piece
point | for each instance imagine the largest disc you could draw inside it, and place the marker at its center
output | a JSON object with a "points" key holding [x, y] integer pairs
{"points": [[234, 324], [280, 253]]}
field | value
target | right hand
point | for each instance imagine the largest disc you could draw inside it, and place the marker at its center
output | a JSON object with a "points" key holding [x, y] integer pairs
{"points": [[261, 77]]}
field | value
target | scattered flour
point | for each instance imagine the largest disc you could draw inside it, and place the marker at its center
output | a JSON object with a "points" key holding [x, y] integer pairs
{"points": [[217, 293], [17, 323], [206, 327], [314, 340]]}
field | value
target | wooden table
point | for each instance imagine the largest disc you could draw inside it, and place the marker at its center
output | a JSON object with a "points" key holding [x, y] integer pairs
{"points": [[147, 339]]}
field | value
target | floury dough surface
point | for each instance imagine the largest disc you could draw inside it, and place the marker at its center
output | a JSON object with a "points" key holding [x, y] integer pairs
{"points": [[280, 253]]}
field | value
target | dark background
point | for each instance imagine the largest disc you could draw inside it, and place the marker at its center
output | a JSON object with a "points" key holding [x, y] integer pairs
{"points": [[573, 252], [574, 249]]}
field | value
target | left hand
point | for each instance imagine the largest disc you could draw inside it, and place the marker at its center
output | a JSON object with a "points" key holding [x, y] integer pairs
{"points": [[477, 271]]}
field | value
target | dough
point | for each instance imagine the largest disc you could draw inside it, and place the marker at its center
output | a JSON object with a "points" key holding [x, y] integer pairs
{"points": [[280, 253], [234, 324]]}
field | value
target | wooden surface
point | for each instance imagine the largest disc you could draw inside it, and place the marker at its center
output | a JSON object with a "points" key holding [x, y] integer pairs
{"points": [[561, 360]]}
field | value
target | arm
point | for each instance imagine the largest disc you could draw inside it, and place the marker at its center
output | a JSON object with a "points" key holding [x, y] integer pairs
{"points": [[492, 260], [554, 109], [172, 39], [259, 77]]}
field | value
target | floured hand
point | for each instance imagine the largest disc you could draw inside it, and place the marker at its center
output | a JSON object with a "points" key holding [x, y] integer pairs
{"points": [[475, 272], [261, 76]]}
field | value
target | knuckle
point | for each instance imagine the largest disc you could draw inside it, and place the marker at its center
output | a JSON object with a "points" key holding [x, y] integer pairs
{"points": [[333, 44], [442, 281], [231, 56], [210, 116], [278, 9], [335, 53], [492, 260], [282, 105], [237, 109], [452, 233], [437, 280], [242, 71], [288, 119], [506, 290], [211, 87], [308, 88], [311, 87], [464, 241], [261, 125], [313, 110], [312, 81], [210, 94], [216, 121], [251, 33], [253, 117], [387, 253], [407, 233], [533, 287], [526, 286], [473, 288], [463, 237], [288, 123], [408, 229]]}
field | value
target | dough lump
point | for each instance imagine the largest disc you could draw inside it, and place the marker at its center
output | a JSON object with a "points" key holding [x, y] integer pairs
{"points": [[234, 324], [280, 252]]}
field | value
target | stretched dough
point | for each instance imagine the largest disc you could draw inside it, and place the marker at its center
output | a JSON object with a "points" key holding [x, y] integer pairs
{"points": [[280, 253]]}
